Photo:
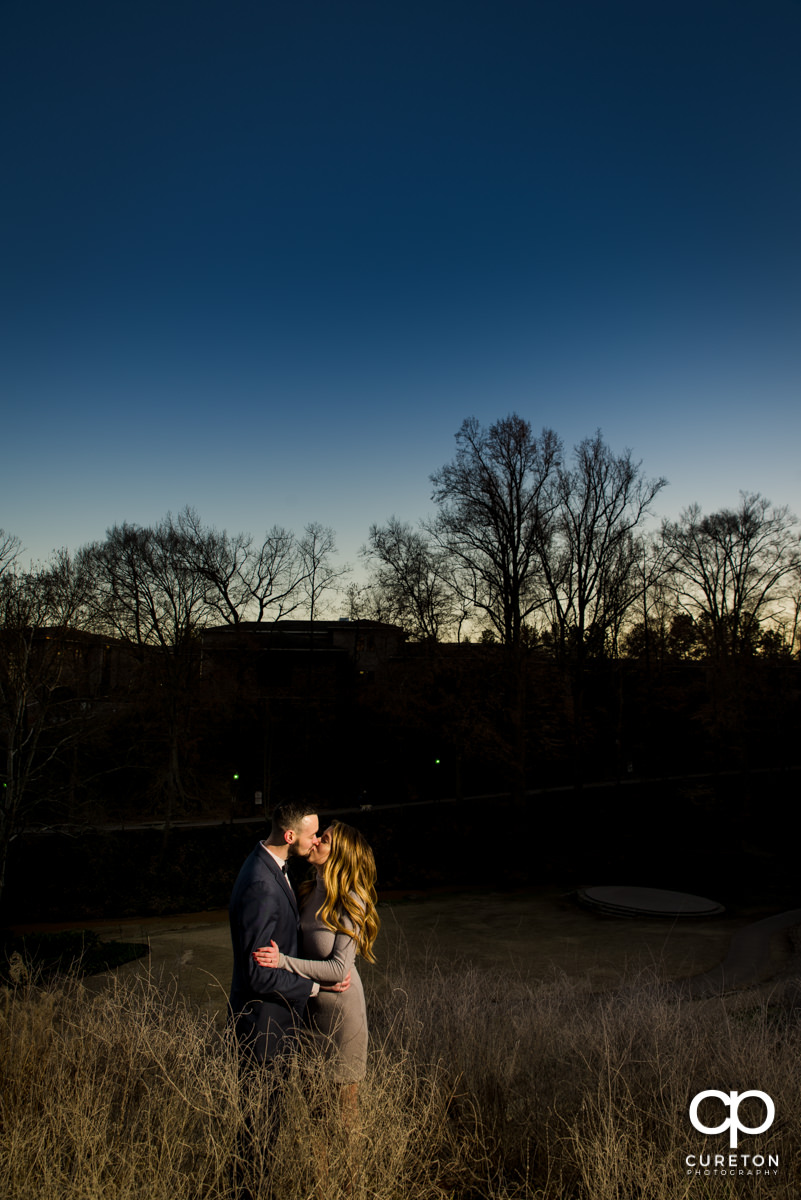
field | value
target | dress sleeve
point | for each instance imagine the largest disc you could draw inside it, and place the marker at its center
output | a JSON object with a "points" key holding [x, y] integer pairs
{"points": [[325, 970]]}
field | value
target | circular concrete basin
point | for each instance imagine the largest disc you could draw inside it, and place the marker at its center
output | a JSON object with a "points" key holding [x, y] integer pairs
{"points": [[652, 902]]}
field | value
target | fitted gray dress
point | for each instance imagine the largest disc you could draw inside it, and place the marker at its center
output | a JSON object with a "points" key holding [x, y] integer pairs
{"points": [[338, 1019]]}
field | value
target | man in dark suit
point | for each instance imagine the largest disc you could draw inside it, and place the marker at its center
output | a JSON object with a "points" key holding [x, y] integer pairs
{"points": [[267, 1004]]}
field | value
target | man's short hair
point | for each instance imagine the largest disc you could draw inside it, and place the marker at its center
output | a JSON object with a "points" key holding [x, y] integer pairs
{"points": [[292, 814]]}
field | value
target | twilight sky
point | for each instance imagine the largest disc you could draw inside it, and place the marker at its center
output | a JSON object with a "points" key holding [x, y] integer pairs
{"points": [[263, 257]]}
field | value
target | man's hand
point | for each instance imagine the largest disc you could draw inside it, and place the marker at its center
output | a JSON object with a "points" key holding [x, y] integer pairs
{"points": [[342, 986]]}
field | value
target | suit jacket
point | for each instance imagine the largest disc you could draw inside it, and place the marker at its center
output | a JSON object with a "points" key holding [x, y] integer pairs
{"points": [[265, 1003]]}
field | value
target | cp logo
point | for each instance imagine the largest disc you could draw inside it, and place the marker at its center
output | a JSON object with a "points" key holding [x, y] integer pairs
{"points": [[732, 1100]]}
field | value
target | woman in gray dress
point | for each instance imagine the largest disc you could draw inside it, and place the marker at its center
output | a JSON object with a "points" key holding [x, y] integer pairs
{"points": [[339, 920]]}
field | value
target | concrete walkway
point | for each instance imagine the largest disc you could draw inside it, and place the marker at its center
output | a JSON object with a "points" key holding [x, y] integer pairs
{"points": [[532, 935], [761, 951]]}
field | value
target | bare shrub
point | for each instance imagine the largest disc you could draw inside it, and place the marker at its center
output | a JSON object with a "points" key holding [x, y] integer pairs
{"points": [[480, 1086], [112, 1094], [569, 1095], [128, 1093]]}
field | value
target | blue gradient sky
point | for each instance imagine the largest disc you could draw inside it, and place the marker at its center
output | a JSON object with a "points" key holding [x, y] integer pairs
{"points": [[263, 258]]}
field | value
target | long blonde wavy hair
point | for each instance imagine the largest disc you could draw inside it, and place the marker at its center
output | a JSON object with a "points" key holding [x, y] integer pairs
{"points": [[349, 876]]}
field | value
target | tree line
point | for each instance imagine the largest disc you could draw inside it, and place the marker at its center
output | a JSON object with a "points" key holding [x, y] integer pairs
{"points": [[556, 556], [546, 556], [527, 545], [154, 589], [555, 550]]}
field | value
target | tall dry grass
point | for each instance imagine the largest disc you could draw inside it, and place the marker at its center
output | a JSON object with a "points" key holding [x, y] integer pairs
{"points": [[478, 1087]]}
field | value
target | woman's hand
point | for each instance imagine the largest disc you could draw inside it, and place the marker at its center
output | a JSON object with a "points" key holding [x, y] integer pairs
{"points": [[267, 956], [342, 986]]}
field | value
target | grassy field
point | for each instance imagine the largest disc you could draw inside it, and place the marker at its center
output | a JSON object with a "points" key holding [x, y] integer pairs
{"points": [[479, 1086]]}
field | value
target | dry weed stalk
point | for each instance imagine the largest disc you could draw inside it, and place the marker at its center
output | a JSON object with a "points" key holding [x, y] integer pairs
{"points": [[477, 1089]]}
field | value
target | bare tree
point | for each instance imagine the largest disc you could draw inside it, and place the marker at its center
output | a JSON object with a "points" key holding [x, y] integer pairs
{"points": [[10, 547], [39, 611], [653, 632], [148, 589], [149, 593], [368, 602], [410, 578], [733, 568], [590, 553], [792, 630], [318, 573], [590, 556], [494, 500], [245, 581]]}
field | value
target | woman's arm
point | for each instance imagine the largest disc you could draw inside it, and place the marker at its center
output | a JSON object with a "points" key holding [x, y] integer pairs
{"points": [[331, 970], [324, 970]]}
